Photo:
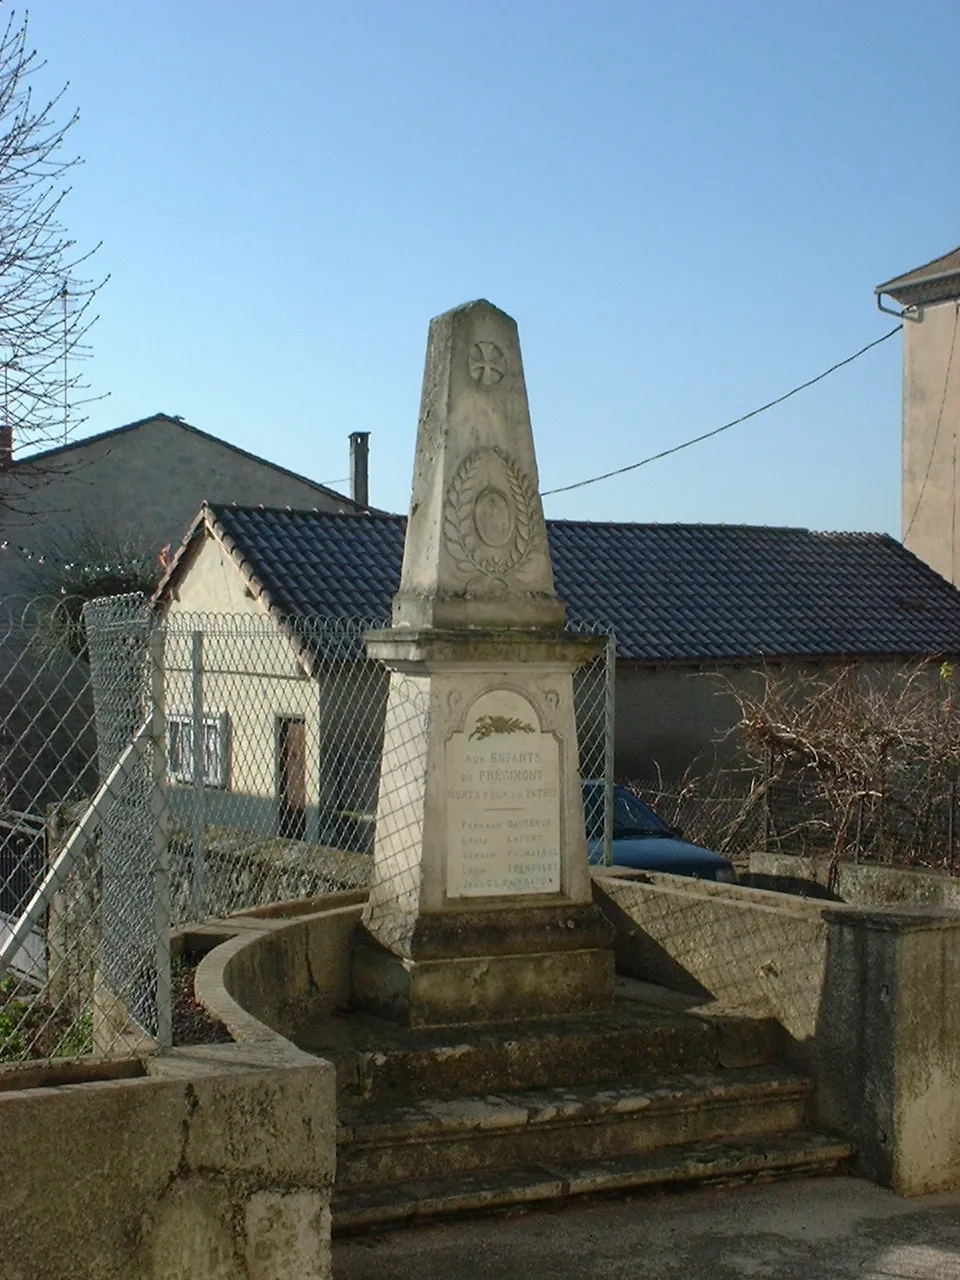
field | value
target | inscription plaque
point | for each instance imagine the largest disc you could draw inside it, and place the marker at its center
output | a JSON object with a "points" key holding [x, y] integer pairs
{"points": [[503, 801]]}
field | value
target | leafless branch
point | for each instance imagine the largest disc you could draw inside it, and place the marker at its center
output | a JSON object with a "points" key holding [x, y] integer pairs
{"points": [[45, 303]]}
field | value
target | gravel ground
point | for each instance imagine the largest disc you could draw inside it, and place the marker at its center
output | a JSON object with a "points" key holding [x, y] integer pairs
{"points": [[191, 1022]]}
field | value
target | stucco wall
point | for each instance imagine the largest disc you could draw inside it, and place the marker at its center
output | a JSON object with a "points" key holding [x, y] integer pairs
{"points": [[144, 484], [251, 672], [671, 717], [254, 673], [680, 716], [928, 449]]}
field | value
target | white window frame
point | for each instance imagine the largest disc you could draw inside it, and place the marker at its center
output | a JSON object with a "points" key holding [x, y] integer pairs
{"points": [[216, 762]]}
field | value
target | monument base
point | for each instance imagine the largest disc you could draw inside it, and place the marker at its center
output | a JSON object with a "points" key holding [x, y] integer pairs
{"points": [[472, 989], [489, 967]]}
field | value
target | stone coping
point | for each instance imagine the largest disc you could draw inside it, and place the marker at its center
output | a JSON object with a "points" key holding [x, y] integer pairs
{"points": [[735, 894], [289, 967], [473, 645]]}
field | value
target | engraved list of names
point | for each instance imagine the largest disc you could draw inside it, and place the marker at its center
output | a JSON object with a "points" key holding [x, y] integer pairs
{"points": [[503, 801]]}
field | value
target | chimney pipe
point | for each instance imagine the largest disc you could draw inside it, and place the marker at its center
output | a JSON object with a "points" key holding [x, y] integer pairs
{"points": [[6, 447], [359, 470]]}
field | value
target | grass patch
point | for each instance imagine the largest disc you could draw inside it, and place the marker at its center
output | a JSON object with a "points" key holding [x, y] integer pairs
{"points": [[29, 1028]]}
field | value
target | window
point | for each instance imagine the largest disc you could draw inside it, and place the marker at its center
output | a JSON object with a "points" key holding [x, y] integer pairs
{"points": [[180, 748]]}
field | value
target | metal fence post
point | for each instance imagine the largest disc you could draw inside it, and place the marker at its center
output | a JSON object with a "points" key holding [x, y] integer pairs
{"points": [[198, 797], [609, 744], [161, 846]]}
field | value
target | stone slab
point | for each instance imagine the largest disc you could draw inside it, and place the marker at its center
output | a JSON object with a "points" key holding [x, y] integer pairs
{"points": [[381, 1061], [774, 1156], [502, 802], [379, 1145]]}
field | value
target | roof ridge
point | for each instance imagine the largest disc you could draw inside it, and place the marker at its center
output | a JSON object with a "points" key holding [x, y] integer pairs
{"points": [[259, 508], [79, 443], [722, 524]]}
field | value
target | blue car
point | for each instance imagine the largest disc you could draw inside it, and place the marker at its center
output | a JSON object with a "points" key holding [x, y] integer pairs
{"points": [[644, 842]]}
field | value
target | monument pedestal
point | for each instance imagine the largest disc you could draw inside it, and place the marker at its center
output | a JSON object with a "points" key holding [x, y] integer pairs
{"points": [[481, 987], [481, 908]]}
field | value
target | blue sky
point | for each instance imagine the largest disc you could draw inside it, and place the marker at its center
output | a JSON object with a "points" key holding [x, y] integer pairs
{"points": [[686, 206]]}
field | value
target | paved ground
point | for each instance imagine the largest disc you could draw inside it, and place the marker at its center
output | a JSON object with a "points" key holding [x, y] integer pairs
{"points": [[820, 1229]]}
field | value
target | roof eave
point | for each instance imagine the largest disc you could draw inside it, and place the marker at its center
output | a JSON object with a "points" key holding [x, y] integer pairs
{"points": [[942, 286]]}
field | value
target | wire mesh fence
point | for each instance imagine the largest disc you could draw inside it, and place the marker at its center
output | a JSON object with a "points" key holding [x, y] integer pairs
{"points": [[157, 772], [67, 863], [154, 773], [908, 818], [594, 700], [858, 761], [724, 809], [907, 814], [274, 732]]}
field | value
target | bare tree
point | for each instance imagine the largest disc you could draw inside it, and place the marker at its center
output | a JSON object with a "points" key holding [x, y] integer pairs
{"points": [[858, 762], [45, 305]]}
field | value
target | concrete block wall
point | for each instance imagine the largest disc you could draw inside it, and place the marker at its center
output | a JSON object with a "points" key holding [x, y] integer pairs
{"points": [[865, 1000], [215, 1161]]}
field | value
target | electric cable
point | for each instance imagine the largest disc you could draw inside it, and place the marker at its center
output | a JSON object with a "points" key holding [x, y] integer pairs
{"points": [[707, 435]]}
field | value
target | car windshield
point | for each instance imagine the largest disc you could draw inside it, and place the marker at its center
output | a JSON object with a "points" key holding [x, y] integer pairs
{"points": [[630, 815]]}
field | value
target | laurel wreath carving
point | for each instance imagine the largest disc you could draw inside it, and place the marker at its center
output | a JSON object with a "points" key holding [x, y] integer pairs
{"points": [[486, 726], [458, 525]]}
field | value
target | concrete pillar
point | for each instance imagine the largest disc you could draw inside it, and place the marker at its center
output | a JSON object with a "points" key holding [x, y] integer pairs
{"points": [[888, 1044]]}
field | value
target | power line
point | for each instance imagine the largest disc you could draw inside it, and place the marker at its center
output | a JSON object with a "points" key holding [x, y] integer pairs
{"points": [[707, 435]]}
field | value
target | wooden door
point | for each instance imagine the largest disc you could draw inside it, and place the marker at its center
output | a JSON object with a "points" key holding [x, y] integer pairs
{"points": [[292, 777]]}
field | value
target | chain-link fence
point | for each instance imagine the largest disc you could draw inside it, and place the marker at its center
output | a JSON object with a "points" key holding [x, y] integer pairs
{"points": [[907, 818], [274, 732], [906, 814], [154, 774], [724, 810], [68, 864], [594, 700]]}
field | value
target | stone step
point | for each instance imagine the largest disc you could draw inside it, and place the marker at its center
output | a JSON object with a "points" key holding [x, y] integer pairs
{"points": [[441, 1138], [637, 1040], [780, 1155]]}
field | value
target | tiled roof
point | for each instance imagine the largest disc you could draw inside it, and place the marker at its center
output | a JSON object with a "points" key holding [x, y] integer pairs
{"points": [[933, 282], [671, 592]]}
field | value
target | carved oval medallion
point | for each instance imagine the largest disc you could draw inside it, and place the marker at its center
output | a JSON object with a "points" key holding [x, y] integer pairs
{"points": [[491, 517]]}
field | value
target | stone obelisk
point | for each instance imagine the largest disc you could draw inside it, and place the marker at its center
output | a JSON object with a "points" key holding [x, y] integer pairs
{"points": [[481, 906]]}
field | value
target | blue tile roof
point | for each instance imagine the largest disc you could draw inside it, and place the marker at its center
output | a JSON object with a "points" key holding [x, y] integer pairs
{"points": [[671, 592]]}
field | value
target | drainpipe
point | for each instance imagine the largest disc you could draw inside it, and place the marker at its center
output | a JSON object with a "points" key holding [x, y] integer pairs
{"points": [[359, 467]]}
